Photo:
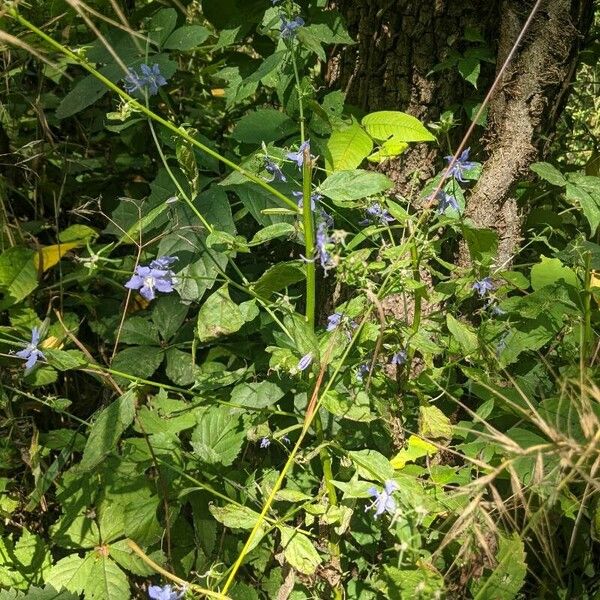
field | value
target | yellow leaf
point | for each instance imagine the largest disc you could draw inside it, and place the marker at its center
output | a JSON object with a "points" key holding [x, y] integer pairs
{"points": [[415, 448], [217, 92], [52, 342], [48, 256]]}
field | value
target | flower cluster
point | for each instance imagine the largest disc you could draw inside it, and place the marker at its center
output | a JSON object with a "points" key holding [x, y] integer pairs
{"points": [[157, 276], [376, 213], [289, 27], [150, 79], [484, 286], [446, 201], [461, 164], [164, 593], [298, 156]]}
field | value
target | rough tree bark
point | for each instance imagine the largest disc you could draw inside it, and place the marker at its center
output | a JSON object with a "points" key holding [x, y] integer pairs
{"points": [[399, 42]]}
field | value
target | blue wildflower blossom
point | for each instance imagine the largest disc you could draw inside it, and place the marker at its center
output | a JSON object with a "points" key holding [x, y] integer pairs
{"points": [[461, 164], [399, 358], [322, 239], [275, 170], [383, 501], [289, 29], [31, 353], [150, 79], [265, 442], [375, 212], [286, 440], [157, 276], [484, 286], [446, 201], [164, 593], [362, 371], [305, 361], [314, 198], [298, 156], [334, 320]]}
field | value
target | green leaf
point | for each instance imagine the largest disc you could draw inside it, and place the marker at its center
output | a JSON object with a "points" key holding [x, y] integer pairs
{"points": [[107, 429], [470, 68], [549, 173], [278, 277], [585, 191], [463, 334], [403, 127], [416, 448], [234, 516], [180, 368], [343, 187], [299, 551], [168, 315], [388, 149], [219, 316], [65, 360], [35, 593], [18, 276], [138, 330], [219, 435], [550, 271], [138, 361], [162, 24], [75, 233], [121, 553], [71, 573], [372, 464], [508, 577], [256, 395], [347, 407], [433, 423], [106, 581], [347, 148], [483, 244], [187, 37], [263, 125], [270, 232]]}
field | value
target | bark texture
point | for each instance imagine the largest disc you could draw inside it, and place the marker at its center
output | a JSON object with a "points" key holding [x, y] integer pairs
{"points": [[525, 108], [399, 43], [390, 68]]}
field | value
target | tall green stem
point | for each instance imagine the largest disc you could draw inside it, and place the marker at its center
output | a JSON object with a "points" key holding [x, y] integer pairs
{"points": [[309, 239], [140, 107]]}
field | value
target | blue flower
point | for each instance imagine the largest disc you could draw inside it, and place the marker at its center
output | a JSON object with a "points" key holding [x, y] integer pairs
{"points": [[446, 201], [314, 198], [274, 169], [149, 78], [290, 28], [322, 239], [334, 320], [375, 212], [383, 501], [164, 593], [298, 156], [462, 164], [399, 358], [285, 439], [156, 276], [362, 371], [305, 361], [484, 286], [31, 353], [265, 442]]}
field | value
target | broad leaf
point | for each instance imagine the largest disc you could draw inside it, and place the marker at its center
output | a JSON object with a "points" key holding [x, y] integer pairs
{"points": [[106, 581], [219, 316], [18, 275], [219, 435], [343, 187], [256, 395], [384, 124], [347, 148], [187, 37], [299, 551]]}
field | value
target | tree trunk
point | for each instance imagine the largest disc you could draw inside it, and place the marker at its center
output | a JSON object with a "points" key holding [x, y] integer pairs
{"points": [[399, 43]]}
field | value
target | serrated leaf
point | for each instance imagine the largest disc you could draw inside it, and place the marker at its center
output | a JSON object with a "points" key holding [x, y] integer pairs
{"points": [[508, 577], [416, 448], [433, 423], [382, 125], [106, 581], [299, 551], [549, 173], [187, 37], [219, 435], [218, 316], [138, 361], [256, 395], [278, 277], [270, 232], [107, 429], [65, 360], [121, 553], [463, 334], [138, 330], [168, 315], [234, 516], [71, 573], [347, 148], [343, 187], [372, 464]]}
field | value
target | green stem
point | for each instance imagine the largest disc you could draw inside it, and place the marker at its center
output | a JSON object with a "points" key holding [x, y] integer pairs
{"points": [[140, 107], [309, 240]]}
